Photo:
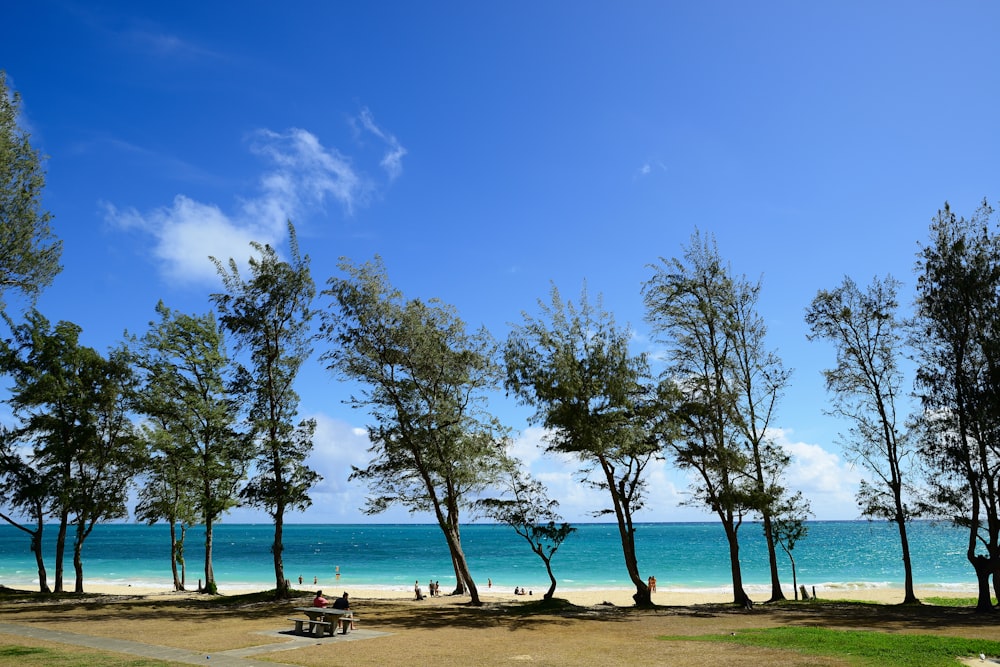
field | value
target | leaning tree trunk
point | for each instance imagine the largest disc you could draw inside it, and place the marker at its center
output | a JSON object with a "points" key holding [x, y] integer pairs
{"points": [[552, 578], [909, 595], [984, 569], [772, 557], [173, 556], [740, 596]]}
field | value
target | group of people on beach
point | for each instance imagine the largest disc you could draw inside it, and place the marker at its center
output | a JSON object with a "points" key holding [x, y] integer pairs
{"points": [[433, 589]]}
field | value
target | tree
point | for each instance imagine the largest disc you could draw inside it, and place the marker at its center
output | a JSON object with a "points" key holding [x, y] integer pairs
{"points": [[73, 406], [866, 385], [957, 337], [760, 378], [199, 458], [423, 378], [790, 527], [531, 513], [268, 315], [25, 493], [168, 494], [728, 385], [29, 251], [573, 366]]}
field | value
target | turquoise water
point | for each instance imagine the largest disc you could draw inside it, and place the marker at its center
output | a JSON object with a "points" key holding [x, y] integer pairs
{"points": [[682, 556]]}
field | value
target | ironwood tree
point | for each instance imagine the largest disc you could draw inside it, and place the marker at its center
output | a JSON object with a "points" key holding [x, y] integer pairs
{"points": [[423, 378], [29, 250], [268, 314], [73, 408], [573, 365], [725, 385], [957, 337], [866, 384], [526, 507], [199, 460]]}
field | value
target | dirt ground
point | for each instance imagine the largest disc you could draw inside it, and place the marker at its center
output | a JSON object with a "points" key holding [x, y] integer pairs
{"points": [[448, 631]]}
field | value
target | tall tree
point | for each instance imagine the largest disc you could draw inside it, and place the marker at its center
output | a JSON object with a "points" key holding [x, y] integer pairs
{"points": [[200, 460], [573, 365], [268, 315], [866, 386], [73, 405], [957, 336], [29, 251], [728, 384], [167, 493], [423, 379], [24, 492]]}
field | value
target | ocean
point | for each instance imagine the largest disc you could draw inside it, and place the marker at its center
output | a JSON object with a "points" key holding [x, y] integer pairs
{"points": [[686, 557]]}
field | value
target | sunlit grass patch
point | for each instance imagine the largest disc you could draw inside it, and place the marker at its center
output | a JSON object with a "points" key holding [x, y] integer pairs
{"points": [[860, 647]]}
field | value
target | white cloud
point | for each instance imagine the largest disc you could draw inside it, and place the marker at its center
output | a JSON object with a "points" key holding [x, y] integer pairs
{"points": [[822, 476], [303, 176], [392, 161]]}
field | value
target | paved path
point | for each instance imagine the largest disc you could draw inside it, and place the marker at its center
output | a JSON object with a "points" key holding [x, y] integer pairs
{"points": [[233, 658]]}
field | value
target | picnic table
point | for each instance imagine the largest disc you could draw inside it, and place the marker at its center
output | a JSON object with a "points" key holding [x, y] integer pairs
{"points": [[323, 620]]}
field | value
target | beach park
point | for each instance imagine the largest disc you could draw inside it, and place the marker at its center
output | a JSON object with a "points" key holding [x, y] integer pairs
{"points": [[124, 624]]}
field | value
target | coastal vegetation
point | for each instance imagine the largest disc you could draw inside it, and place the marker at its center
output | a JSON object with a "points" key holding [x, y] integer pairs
{"points": [[201, 411]]}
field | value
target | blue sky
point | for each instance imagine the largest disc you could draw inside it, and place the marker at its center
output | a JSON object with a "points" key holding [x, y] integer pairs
{"points": [[487, 150]]}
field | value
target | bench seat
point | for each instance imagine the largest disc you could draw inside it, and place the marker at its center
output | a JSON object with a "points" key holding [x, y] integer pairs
{"points": [[317, 628]]}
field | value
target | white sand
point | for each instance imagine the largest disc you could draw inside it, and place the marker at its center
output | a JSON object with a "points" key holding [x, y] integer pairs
{"points": [[590, 597]]}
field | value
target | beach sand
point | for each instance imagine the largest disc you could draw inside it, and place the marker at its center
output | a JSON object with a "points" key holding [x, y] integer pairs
{"points": [[589, 597], [447, 630]]}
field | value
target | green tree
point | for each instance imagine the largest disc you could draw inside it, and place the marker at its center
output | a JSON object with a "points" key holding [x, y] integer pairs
{"points": [[728, 385], [268, 315], [573, 366], [167, 493], [200, 460], [866, 384], [957, 337], [25, 493], [423, 379], [29, 251], [789, 517], [527, 509], [73, 406]]}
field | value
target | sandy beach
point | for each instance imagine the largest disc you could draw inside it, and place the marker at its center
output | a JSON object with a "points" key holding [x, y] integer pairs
{"points": [[584, 598], [395, 629]]}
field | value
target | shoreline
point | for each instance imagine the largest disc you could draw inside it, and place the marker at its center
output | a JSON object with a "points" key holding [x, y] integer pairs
{"points": [[619, 597]]}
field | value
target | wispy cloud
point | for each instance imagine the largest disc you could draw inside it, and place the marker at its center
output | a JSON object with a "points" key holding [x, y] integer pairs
{"points": [[392, 160], [303, 175], [648, 167]]}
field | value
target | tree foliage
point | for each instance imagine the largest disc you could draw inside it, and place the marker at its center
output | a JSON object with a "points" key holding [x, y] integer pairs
{"points": [[268, 314], [726, 385], [29, 250], [423, 380], [73, 405], [866, 384], [198, 459], [957, 336], [573, 365], [527, 509]]}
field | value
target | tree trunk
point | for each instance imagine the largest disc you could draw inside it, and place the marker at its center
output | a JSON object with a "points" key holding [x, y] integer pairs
{"points": [[61, 549], [984, 568], [281, 587], [772, 558], [173, 555], [795, 579], [552, 579], [453, 538], [739, 595], [210, 585], [36, 548], [78, 559], [909, 595]]}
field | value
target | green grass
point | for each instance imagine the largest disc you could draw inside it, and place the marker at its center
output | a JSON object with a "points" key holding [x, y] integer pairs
{"points": [[954, 602], [861, 647], [25, 656]]}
